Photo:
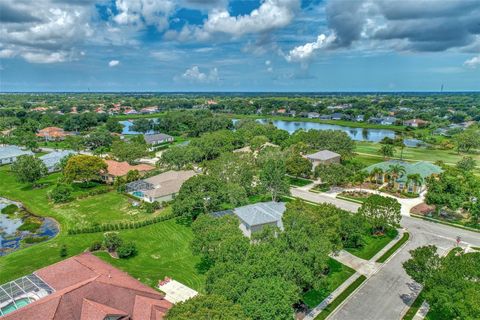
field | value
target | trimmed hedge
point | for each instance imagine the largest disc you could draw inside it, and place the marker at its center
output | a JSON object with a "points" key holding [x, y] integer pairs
{"points": [[120, 225]]}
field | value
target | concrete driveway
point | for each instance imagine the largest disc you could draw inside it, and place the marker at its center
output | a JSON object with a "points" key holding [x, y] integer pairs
{"points": [[388, 293]]}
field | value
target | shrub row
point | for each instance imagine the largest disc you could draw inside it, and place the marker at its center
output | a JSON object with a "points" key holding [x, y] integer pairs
{"points": [[120, 225], [94, 192]]}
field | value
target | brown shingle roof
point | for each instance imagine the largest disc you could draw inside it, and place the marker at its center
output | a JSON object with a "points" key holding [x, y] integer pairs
{"points": [[85, 285]]}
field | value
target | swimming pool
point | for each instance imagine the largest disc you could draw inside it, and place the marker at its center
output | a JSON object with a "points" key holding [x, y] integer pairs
{"points": [[137, 194], [14, 306]]}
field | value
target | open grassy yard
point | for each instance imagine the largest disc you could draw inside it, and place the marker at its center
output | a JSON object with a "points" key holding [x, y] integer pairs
{"points": [[414, 154], [163, 250], [163, 247], [373, 244], [338, 274]]}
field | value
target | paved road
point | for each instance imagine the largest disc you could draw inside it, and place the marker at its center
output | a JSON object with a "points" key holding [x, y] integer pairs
{"points": [[320, 198], [389, 292]]}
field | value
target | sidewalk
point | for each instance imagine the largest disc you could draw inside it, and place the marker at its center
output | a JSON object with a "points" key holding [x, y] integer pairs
{"points": [[362, 267]]}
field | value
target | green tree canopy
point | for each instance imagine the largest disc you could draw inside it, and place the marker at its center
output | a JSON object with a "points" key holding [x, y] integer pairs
{"points": [[206, 307], [84, 168], [381, 212], [28, 168]]}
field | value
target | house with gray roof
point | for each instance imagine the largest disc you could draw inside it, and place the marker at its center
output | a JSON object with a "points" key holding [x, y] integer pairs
{"points": [[9, 154], [254, 217], [52, 159], [323, 157], [156, 139]]}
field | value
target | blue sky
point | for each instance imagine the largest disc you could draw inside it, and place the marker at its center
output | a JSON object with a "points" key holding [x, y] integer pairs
{"points": [[239, 45]]}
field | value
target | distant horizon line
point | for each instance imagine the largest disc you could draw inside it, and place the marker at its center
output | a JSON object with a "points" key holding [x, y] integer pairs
{"points": [[241, 92]]}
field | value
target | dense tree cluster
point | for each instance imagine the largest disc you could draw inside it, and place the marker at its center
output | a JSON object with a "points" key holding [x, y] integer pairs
{"points": [[267, 277], [455, 189], [450, 284]]}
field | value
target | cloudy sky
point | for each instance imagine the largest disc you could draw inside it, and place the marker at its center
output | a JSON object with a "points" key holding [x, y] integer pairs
{"points": [[239, 45]]}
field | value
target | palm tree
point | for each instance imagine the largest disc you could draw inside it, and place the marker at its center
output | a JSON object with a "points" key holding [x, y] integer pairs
{"points": [[375, 173], [386, 150], [396, 171], [416, 179]]}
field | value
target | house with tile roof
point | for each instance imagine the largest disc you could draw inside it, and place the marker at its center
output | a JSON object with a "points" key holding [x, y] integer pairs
{"points": [[162, 187], [82, 287], [120, 169], [9, 153], [403, 183], [52, 133]]}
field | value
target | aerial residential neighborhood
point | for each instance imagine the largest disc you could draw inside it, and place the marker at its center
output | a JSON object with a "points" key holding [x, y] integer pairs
{"points": [[240, 160]]}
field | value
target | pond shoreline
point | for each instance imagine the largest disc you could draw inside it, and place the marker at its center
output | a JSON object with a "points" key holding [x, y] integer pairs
{"points": [[49, 228]]}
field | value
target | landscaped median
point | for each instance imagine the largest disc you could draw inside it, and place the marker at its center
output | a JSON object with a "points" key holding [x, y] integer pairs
{"points": [[394, 248], [340, 298]]}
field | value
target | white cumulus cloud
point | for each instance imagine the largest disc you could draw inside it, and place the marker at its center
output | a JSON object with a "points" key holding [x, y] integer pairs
{"points": [[473, 62], [44, 31], [305, 52], [270, 15], [194, 74], [141, 13], [113, 63]]}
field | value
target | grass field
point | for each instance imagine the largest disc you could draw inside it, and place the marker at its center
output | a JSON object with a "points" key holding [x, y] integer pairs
{"points": [[338, 274], [163, 247], [373, 244], [163, 250], [413, 154]]}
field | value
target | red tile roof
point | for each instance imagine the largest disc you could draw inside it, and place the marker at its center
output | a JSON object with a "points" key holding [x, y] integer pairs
{"points": [[53, 132], [119, 169], [88, 288]]}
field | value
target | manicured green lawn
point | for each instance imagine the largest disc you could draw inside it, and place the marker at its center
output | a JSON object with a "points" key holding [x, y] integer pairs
{"points": [[163, 250], [338, 274], [373, 244], [298, 182], [109, 207], [414, 154], [163, 247]]}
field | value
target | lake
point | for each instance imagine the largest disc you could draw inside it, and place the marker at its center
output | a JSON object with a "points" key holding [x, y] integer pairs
{"points": [[127, 125], [11, 237], [358, 134]]}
